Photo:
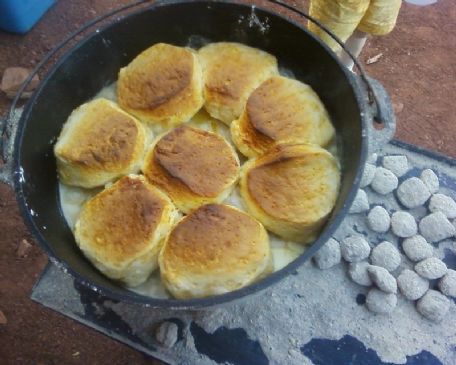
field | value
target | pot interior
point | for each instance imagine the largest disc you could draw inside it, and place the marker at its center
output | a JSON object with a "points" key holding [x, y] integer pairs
{"points": [[95, 62]]}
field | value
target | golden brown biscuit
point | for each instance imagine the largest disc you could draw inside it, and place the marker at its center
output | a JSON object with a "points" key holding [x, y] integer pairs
{"points": [[281, 110], [163, 84], [214, 250], [193, 166], [122, 229], [231, 72], [98, 143], [291, 190]]}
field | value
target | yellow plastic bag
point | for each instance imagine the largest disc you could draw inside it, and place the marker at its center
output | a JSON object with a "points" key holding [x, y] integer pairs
{"points": [[380, 17], [342, 17]]}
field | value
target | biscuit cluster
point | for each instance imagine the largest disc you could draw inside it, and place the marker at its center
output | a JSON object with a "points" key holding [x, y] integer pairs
{"points": [[162, 202]]}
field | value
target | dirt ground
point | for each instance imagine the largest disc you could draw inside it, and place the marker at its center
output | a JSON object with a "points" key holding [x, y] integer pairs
{"points": [[418, 68]]}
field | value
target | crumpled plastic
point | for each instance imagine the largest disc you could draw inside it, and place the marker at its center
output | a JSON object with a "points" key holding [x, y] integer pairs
{"points": [[342, 17]]}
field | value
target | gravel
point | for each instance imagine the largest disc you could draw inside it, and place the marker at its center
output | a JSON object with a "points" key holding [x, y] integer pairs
{"points": [[354, 248], [382, 279], [433, 305], [431, 268], [384, 181], [378, 219], [357, 271], [447, 284], [328, 255], [430, 179], [386, 255], [361, 203], [398, 165], [411, 285], [436, 227], [416, 248], [443, 203], [403, 224], [380, 302], [166, 334], [413, 193], [368, 175]]}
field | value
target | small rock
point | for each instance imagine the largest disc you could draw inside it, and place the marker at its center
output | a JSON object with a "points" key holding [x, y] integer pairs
{"points": [[380, 302], [328, 255], [3, 319], [360, 204], [398, 165], [447, 284], [23, 248], [357, 271], [436, 227], [384, 181], [403, 224], [354, 248], [368, 175], [412, 285], [378, 219], [431, 268], [433, 305], [416, 248], [413, 193], [430, 179], [386, 255], [372, 159], [166, 334], [382, 279], [443, 203], [398, 107], [13, 78]]}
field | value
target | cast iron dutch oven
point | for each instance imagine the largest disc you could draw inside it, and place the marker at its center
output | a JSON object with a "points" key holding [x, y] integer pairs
{"points": [[94, 62]]}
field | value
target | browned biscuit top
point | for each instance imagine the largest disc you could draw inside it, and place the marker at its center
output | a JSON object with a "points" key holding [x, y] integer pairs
{"points": [[104, 139], [119, 222], [202, 161], [213, 238], [155, 76], [294, 181]]}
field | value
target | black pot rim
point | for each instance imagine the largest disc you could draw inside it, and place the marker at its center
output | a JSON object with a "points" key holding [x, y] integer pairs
{"points": [[198, 303]]}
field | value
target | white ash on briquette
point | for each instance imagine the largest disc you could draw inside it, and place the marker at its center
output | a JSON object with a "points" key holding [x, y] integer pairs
{"points": [[430, 179], [379, 219], [368, 175], [431, 268], [447, 284], [411, 285], [403, 224], [382, 279], [433, 305], [328, 255], [357, 271], [361, 203], [398, 165], [354, 248], [416, 248], [443, 203], [436, 227], [166, 334], [413, 193], [380, 302], [386, 255], [384, 181]]}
